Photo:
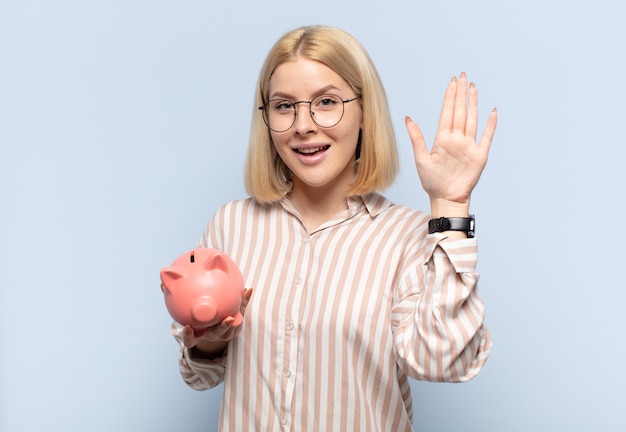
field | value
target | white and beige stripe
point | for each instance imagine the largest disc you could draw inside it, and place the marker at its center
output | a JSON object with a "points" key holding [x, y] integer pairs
{"points": [[341, 317]]}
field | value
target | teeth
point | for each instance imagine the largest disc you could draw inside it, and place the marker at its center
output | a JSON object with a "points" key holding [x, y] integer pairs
{"points": [[311, 150]]}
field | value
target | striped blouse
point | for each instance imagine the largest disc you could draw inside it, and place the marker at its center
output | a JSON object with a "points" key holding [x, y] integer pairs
{"points": [[341, 317]]}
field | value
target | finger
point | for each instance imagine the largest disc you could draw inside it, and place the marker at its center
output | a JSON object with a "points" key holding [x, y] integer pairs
{"points": [[189, 339], [246, 296], [447, 109], [417, 139], [218, 331], [246, 299], [460, 101], [229, 328], [490, 130], [227, 323], [471, 125], [238, 317]]}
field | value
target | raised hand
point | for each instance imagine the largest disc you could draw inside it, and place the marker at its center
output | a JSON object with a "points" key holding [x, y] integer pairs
{"points": [[450, 171]]}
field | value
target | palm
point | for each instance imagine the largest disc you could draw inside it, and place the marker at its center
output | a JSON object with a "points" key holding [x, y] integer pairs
{"points": [[451, 170]]}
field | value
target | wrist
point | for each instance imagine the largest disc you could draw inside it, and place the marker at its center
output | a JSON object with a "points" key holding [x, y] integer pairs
{"points": [[208, 351], [455, 227], [445, 208]]}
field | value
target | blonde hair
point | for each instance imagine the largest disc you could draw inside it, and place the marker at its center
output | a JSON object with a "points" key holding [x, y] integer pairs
{"points": [[267, 178]]}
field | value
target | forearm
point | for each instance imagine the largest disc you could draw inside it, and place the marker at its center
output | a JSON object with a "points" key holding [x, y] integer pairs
{"points": [[198, 372], [441, 335]]}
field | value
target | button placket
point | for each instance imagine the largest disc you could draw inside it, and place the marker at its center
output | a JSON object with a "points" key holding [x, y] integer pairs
{"points": [[290, 360]]}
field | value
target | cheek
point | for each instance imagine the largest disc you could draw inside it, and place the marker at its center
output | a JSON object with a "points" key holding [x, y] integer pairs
{"points": [[353, 125], [277, 140], [352, 132], [280, 146]]}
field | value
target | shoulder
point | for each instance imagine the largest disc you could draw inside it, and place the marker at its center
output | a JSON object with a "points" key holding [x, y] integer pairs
{"points": [[381, 207], [232, 221], [243, 208]]}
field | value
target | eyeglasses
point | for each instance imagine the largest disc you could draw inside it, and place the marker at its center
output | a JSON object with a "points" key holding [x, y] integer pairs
{"points": [[326, 111]]}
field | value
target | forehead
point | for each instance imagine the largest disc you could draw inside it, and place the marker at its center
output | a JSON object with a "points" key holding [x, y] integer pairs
{"points": [[304, 78]]}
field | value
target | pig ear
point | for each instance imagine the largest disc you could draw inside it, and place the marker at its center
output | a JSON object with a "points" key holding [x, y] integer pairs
{"points": [[216, 262], [170, 274]]}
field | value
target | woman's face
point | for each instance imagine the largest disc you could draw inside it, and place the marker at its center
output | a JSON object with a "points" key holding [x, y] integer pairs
{"points": [[319, 158]]}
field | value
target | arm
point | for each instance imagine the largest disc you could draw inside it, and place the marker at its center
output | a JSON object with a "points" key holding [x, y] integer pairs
{"points": [[439, 330], [203, 353], [202, 357], [440, 333], [198, 373]]}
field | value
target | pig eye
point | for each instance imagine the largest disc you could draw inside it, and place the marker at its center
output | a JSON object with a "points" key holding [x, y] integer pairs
{"points": [[192, 258]]}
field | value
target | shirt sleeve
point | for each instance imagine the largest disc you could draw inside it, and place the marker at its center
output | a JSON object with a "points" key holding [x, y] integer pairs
{"points": [[438, 317], [201, 374]]}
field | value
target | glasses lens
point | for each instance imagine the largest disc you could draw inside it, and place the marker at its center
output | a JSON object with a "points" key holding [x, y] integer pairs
{"points": [[327, 110], [279, 114]]}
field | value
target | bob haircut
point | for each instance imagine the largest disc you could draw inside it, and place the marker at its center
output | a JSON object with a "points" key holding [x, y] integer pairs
{"points": [[267, 178]]}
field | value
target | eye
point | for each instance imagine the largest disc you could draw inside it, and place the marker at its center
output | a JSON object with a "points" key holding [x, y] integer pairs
{"points": [[281, 106], [327, 102]]}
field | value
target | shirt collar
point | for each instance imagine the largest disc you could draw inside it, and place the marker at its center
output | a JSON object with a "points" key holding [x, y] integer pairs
{"points": [[374, 203]]}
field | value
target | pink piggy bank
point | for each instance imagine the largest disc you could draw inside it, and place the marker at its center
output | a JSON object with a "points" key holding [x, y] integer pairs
{"points": [[202, 288]]}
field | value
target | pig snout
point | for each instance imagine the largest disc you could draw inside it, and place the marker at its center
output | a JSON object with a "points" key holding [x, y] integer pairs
{"points": [[204, 311]]}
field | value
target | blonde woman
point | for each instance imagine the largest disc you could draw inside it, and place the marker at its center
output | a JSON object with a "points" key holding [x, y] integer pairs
{"points": [[353, 294]]}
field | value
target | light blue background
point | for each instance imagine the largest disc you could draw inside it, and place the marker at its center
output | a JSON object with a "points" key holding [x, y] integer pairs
{"points": [[124, 125]]}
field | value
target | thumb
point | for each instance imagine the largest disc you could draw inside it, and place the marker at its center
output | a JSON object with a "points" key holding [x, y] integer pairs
{"points": [[246, 299], [417, 139], [190, 338]]}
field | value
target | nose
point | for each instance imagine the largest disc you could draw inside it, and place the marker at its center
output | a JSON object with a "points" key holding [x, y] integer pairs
{"points": [[204, 312], [304, 118]]}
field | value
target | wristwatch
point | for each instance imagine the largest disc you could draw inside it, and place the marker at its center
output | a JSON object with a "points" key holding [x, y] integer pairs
{"points": [[468, 225]]}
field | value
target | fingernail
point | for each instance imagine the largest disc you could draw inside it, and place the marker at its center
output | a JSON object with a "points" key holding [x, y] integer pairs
{"points": [[407, 119], [463, 75]]}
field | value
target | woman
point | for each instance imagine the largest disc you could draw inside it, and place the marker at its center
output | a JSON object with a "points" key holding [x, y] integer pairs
{"points": [[352, 294]]}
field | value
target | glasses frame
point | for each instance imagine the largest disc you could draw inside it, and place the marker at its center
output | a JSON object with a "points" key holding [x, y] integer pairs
{"points": [[263, 109]]}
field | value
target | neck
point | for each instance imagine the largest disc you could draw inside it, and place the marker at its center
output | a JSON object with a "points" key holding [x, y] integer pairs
{"points": [[317, 206]]}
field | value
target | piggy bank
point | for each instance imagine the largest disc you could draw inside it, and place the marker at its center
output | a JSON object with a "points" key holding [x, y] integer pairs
{"points": [[203, 287]]}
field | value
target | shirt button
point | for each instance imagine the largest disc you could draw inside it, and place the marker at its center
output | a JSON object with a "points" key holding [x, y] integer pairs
{"points": [[298, 281], [290, 325], [287, 373], [283, 421], [306, 240]]}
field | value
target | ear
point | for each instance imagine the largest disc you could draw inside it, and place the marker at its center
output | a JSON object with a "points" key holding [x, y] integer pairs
{"points": [[216, 262], [169, 275]]}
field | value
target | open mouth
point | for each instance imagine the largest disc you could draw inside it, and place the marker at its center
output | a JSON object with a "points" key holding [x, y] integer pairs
{"points": [[311, 151]]}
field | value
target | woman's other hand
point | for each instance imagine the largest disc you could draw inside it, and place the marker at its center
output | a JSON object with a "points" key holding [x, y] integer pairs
{"points": [[450, 171]]}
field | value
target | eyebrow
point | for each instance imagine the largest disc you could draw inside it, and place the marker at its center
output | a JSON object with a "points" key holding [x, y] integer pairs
{"points": [[321, 91]]}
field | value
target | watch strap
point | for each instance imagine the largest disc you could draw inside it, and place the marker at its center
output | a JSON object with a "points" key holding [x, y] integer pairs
{"points": [[442, 224]]}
